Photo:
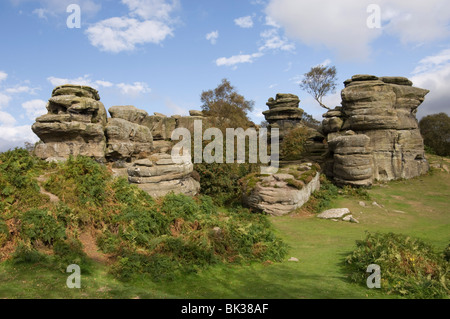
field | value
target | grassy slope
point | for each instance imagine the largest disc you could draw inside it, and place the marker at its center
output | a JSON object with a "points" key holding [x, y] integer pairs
{"points": [[417, 207]]}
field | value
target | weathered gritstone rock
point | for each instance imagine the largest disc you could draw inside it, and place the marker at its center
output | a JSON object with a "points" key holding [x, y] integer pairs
{"points": [[284, 113], [383, 109], [353, 160], [74, 124], [281, 193], [127, 140], [159, 175]]}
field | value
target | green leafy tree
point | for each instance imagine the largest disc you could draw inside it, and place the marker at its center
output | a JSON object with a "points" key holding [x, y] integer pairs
{"points": [[435, 130], [227, 105], [320, 81]]}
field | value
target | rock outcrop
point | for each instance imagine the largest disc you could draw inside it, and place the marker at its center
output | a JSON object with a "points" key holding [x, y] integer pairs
{"points": [[284, 113], [280, 194], [77, 124], [384, 110], [74, 124], [158, 175]]}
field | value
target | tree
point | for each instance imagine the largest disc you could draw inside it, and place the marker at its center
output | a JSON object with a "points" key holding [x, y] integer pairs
{"points": [[310, 121], [320, 81], [435, 130], [227, 105]]}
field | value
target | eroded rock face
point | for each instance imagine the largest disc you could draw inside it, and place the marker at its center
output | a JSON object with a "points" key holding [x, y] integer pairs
{"points": [[74, 124], [127, 140], [384, 110], [280, 194], [284, 113], [158, 175]]}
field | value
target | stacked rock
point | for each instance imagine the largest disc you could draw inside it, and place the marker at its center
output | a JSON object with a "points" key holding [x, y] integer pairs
{"points": [[284, 113], [384, 109], [353, 159], [126, 139], [74, 124], [159, 175]]}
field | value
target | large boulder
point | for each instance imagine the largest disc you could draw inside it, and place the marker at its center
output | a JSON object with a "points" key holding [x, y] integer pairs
{"points": [[280, 194], [384, 110], [158, 175], [74, 124], [127, 140]]}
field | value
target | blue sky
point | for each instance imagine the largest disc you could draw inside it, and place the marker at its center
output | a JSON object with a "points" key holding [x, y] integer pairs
{"points": [[159, 55]]}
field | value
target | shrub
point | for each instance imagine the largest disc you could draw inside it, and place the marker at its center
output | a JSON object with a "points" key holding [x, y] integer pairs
{"points": [[40, 225], [447, 253], [25, 254], [409, 266], [293, 144], [18, 187], [435, 130], [80, 180]]}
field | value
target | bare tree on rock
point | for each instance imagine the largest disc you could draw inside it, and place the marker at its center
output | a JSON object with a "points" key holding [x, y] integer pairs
{"points": [[320, 81]]}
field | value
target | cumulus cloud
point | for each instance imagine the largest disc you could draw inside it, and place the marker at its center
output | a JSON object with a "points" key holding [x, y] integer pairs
{"points": [[212, 36], [4, 100], [35, 108], [148, 21], [273, 41], [7, 119], [433, 73], [3, 76], [15, 136], [134, 89], [238, 59], [18, 89], [123, 34], [341, 26], [244, 22]]}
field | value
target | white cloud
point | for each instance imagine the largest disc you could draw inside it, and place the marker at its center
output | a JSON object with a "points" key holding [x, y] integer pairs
{"points": [[244, 22], [105, 84], [35, 108], [134, 89], [433, 73], [15, 136], [3, 76], [273, 41], [212, 36], [237, 59], [4, 100], [271, 22], [342, 25], [123, 34], [82, 80], [21, 89], [327, 62], [7, 119]]}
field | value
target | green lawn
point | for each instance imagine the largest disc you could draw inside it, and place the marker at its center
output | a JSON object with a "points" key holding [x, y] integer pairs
{"points": [[417, 207]]}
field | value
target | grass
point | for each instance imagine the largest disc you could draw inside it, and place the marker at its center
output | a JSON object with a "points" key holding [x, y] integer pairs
{"points": [[417, 207]]}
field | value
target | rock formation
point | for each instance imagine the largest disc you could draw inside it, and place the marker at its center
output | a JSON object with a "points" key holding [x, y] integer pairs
{"points": [[74, 124], [281, 193], [77, 124], [384, 111], [284, 113], [159, 175]]}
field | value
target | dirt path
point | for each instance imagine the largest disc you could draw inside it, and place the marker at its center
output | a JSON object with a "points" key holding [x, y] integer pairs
{"points": [[53, 198], [91, 249]]}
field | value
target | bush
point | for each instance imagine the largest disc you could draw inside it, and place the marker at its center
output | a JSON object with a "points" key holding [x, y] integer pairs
{"points": [[293, 144], [40, 225], [435, 130], [447, 253], [80, 180], [409, 266], [18, 187]]}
